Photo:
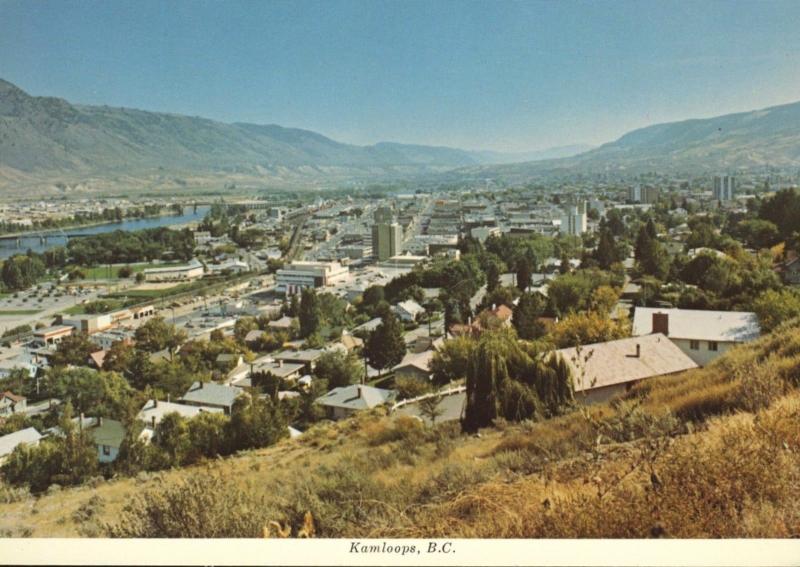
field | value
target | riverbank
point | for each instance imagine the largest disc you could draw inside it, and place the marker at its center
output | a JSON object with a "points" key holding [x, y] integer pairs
{"points": [[33, 233]]}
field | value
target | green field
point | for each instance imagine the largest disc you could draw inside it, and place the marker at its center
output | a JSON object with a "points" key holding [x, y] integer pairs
{"points": [[106, 272], [80, 309], [12, 312], [158, 293]]}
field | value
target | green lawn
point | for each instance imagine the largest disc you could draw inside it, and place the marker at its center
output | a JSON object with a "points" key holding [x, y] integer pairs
{"points": [[104, 272], [11, 312], [157, 293]]}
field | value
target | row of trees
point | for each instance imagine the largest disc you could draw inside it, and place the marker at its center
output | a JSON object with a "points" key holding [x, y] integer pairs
{"points": [[122, 247]]}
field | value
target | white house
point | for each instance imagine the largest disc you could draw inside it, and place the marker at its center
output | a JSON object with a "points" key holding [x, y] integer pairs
{"points": [[344, 401], [10, 442], [408, 310], [702, 335], [601, 371], [154, 411]]}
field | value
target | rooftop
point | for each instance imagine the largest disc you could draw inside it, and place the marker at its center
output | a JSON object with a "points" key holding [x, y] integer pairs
{"points": [[616, 362], [211, 394], [9, 442], [356, 397], [695, 324]]}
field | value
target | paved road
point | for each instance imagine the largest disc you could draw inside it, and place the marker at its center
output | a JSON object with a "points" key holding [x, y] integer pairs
{"points": [[451, 405]]}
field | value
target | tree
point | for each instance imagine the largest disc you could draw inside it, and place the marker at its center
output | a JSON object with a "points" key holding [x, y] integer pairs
{"points": [[118, 357], [91, 392], [385, 346], [339, 369], [255, 422], [243, 326], [524, 272], [493, 361], [586, 328], [267, 382], [22, 271], [758, 233], [156, 335], [67, 457], [604, 299], [172, 435], [449, 363], [650, 253], [73, 350], [775, 307], [783, 210], [309, 313], [206, 433], [526, 316], [372, 296], [431, 408], [408, 387], [606, 253], [494, 267]]}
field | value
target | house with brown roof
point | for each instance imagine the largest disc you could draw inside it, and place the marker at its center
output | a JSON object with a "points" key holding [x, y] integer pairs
{"points": [[11, 403], [602, 371]]}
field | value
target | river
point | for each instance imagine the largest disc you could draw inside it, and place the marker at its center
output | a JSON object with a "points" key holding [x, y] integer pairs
{"points": [[9, 247]]}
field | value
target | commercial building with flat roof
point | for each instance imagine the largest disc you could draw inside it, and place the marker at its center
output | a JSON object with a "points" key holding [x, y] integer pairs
{"points": [[300, 275]]}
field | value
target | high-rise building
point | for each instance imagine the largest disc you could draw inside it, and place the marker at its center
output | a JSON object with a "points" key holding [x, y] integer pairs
{"points": [[387, 235], [647, 195], [724, 187], [573, 221]]}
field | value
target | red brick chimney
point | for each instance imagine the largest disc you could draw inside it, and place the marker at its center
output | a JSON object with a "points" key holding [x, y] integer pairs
{"points": [[661, 323]]}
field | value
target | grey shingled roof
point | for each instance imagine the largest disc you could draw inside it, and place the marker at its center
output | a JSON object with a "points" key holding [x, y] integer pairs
{"points": [[615, 362], [211, 394], [348, 397], [110, 433]]}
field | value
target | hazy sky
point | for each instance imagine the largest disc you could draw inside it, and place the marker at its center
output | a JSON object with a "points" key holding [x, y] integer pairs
{"points": [[479, 75]]}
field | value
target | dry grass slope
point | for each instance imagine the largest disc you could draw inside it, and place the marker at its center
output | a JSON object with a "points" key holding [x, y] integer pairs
{"points": [[713, 452]]}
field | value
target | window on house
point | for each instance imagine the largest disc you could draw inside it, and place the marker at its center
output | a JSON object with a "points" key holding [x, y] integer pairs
{"points": [[694, 345], [106, 450], [712, 345]]}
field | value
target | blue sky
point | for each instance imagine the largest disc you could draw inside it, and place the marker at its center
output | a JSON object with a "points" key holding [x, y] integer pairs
{"points": [[508, 76]]}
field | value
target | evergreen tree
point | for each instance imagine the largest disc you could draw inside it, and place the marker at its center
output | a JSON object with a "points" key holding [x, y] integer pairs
{"points": [[524, 272], [606, 253], [564, 267], [492, 276], [310, 314]]}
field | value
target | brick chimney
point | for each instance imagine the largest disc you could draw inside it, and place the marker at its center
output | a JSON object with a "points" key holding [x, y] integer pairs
{"points": [[661, 323]]}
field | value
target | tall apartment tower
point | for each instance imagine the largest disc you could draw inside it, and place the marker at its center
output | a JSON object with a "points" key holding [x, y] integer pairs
{"points": [[648, 195], [724, 187], [387, 235], [573, 221]]}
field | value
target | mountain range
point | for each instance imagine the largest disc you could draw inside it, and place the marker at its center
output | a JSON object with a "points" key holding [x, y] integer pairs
{"points": [[45, 139], [732, 142], [48, 143]]}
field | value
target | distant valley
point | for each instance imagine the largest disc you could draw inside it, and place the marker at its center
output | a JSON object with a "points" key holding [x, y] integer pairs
{"points": [[48, 145], [48, 142]]}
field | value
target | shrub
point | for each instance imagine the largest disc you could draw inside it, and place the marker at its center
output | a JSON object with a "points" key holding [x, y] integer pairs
{"points": [[205, 506], [410, 387]]}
